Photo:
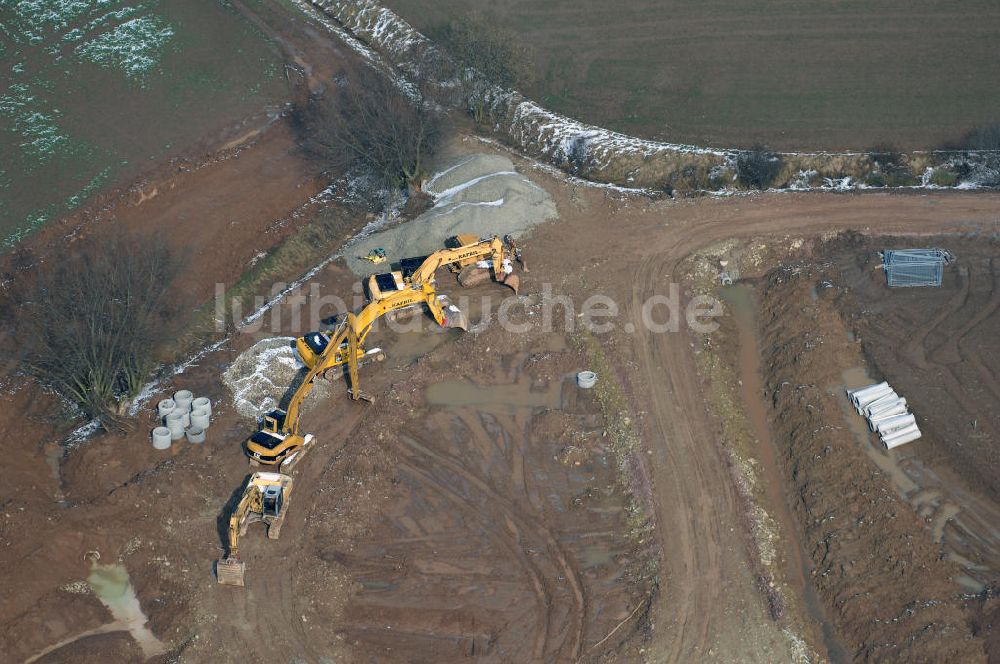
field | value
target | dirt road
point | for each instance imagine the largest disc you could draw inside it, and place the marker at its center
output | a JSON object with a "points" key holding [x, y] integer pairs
{"points": [[708, 608]]}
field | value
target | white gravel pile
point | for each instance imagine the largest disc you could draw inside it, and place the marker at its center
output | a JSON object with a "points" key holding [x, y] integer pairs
{"points": [[481, 195], [262, 374]]}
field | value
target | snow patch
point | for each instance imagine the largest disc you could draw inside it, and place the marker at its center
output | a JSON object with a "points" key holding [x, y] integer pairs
{"points": [[260, 376]]}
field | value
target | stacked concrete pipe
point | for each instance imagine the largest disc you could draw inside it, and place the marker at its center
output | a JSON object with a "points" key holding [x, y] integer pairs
{"points": [[887, 414], [183, 415]]}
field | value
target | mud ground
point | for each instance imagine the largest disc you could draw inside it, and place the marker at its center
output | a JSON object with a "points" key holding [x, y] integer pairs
{"points": [[928, 510], [453, 510], [875, 562], [491, 487]]}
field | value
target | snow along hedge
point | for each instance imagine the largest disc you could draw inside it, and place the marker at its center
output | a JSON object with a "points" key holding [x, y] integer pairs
{"points": [[608, 156]]}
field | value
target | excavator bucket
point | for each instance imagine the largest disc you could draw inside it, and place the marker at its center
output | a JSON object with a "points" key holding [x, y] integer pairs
{"points": [[229, 572], [513, 281], [455, 317], [471, 275]]}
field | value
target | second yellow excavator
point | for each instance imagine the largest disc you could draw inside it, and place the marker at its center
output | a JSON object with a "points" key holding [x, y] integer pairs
{"points": [[465, 254], [265, 498], [313, 346], [279, 441]]}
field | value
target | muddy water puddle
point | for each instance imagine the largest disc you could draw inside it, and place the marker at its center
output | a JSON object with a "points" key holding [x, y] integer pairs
{"points": [[966, 526], [522, 394], [112, 586], [741, 302]]}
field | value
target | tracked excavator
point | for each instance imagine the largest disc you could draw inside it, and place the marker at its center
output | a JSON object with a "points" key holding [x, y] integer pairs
{"points": [[265, 498], [470, 257], [313, 347], [279, 441]]}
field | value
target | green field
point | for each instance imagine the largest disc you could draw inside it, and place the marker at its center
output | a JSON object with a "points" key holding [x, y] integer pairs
{"points": [[791, 75], [92, 91]]}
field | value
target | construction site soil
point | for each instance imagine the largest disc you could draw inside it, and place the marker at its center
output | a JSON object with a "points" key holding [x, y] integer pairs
{"points": [[904, 542], [451, 518], [478, 508]]}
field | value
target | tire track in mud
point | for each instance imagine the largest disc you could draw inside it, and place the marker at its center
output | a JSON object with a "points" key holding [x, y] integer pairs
{"points": [[945, 356], [689, 531], [954, 347], [517, 523], [541, 593], [915, 349], [694, 495]]}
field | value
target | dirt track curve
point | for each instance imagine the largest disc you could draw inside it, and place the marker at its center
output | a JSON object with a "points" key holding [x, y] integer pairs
{"points": [[709, 608], [423, 532]]}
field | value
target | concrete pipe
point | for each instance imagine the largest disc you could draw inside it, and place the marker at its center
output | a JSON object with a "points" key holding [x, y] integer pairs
{"points": [[884, 415], [862, 390], [887, 402], [862, 402], [162, 438], [200, 418], [183, 418], [183, 398], [176, 429], [586, 379], [195, 435], [891, 425], [165, 407], [901, 437], [202, 402], [873, 395], [870, 393]]}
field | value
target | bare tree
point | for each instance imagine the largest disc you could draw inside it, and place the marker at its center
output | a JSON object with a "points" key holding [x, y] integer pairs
{"points": [[495, 56], [87, 321], [758, 168], [369, 123]]}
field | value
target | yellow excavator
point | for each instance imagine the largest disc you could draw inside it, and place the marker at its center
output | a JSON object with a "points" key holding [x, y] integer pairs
{"points": [[279, 441], [265, 498], [464, 255], [313, 347]]}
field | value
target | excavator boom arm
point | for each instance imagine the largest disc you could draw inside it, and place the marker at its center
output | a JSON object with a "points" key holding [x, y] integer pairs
{"points": [[494, 248]]}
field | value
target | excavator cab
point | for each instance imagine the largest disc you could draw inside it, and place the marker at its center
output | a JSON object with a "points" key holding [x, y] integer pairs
{"points": [[273, 420], [381, 285], [271, 445], [271, 502], [311, 346]]}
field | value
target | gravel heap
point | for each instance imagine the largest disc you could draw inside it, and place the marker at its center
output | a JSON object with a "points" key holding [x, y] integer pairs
{"points": [[262, 374], [481, 195]]}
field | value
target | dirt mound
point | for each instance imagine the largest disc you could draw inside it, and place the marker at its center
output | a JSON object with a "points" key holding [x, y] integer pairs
{"points": [[876, 564], [261, 376], [482, 195]]}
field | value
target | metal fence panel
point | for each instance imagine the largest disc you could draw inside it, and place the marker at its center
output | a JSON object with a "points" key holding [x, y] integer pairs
{"points": [[914, 267]]}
